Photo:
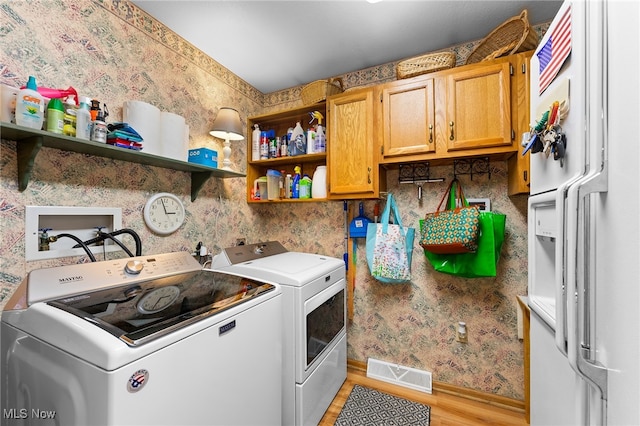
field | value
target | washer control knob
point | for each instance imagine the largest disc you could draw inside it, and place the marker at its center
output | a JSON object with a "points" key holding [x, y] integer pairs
{"points": [[133, 267]]}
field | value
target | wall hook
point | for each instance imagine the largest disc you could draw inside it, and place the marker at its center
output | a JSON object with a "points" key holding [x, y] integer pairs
{"points": [[471, 166]]}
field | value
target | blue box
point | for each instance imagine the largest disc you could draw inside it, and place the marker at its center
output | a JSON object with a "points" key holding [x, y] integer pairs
{"points": [[204, 156]]}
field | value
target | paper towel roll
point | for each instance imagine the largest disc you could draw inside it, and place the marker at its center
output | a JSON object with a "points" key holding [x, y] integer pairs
{"points": [[145, 119], [172, 136], [8, 103]]}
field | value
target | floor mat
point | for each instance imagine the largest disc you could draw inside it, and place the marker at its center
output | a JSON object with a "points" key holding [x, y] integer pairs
{"points": [[367, 407]]}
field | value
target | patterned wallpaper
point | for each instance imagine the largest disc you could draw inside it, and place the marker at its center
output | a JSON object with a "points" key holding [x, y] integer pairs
{"points": [[112, 51]]}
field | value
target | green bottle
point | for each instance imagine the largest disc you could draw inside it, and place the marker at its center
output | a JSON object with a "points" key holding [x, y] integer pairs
{"points": [[55, 116]]}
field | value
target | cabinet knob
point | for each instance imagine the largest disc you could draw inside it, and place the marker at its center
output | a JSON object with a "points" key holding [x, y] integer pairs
{"points": [[368, 174], [430, 133], [451, 136]]}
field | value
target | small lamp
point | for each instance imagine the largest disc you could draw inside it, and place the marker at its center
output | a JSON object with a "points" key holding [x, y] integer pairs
{"points": [[227, 126]]}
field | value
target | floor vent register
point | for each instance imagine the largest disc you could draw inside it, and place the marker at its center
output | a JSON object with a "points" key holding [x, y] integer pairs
{"points": [[399, 375]]}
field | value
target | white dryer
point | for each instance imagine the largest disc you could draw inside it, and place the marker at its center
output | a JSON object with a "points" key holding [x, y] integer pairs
{"points": [[152, 340], [313, 322]]}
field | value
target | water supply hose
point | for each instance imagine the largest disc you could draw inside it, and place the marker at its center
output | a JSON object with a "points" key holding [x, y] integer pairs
{"points": [[77, 240], [115, 240], [104, 235]]}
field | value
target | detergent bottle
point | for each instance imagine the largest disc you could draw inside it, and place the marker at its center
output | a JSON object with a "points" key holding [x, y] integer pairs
{"points": [[30, 106], [305, 187], [297, 141], [295, 184]]}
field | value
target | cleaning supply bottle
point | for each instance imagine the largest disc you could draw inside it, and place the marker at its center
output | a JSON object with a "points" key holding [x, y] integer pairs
{"points": [[55, 116], [311, 140], [320, 141], [295, 184], [99, 129], [70, 110], [305, 187], [287, 186], [83, 120], [30, 106], [255, 143], [319, 187], [297, 141]]}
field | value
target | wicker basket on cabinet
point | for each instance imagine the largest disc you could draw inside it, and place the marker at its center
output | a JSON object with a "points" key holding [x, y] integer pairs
{"points": [[512, 36], [426, 63], [317, 91]]}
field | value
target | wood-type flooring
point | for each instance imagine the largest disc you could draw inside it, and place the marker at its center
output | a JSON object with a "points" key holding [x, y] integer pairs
{"points": [[448, 407]]}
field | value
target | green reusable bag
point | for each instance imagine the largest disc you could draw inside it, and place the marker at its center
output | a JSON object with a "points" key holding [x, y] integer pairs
{"points": [[482, 263]]}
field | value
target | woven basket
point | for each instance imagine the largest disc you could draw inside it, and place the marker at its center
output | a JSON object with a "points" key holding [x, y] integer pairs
{"points": [[512, 36], [317, 91], [425, 64]]}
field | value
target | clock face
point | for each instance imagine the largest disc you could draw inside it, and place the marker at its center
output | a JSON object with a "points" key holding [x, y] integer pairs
{"points": [[158, 299], [164, 213]]}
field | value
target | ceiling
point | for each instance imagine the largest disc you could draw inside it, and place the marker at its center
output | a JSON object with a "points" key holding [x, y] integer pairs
{"points": [[274, 45]]}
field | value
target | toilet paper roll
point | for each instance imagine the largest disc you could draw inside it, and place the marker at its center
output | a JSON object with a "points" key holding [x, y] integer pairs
{"points": [[145, 119], [172, 136]]}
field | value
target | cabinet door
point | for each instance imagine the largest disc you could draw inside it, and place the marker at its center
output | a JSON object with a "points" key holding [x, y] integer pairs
{"points": [[478, 105], [519, 164], [350, 156], [408, 120]]}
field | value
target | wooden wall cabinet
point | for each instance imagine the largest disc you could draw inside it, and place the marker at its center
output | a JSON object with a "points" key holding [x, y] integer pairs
{"points": [[408, 118], [470, 111], [519, 178], [280, 122], [352, 166], [478, 107], [461, 112]]}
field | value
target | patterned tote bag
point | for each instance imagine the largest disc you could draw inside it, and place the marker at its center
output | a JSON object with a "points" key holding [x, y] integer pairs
{"points": [[390, 247]]}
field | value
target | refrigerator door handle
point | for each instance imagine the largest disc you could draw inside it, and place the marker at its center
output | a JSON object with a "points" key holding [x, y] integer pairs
{"points": [[561, 260], [578, 308]]}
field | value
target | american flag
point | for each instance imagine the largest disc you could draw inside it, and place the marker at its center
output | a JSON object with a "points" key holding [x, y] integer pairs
{"points": [[555, 51]]}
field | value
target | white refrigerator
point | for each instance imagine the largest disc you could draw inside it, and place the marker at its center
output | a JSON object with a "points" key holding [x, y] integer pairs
{"points": [[583, 219]]}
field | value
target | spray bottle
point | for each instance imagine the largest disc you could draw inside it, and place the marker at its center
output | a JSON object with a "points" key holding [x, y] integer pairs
{"points": [[321, 141], [295, 185]]}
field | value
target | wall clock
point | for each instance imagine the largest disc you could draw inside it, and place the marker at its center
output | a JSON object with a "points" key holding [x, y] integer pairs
{"points": [[164, 213]]}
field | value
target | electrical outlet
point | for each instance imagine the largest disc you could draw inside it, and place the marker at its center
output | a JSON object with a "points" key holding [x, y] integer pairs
{"points": [[241, 241], [462, 334]]}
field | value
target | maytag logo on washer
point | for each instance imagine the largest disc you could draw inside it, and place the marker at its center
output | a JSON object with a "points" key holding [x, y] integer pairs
{"points": [[70, 279], [137, 380]]}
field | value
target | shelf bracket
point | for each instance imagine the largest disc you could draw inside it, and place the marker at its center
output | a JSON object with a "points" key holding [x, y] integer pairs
{"points": [[197, 180], [471, 166], [27, 150]]}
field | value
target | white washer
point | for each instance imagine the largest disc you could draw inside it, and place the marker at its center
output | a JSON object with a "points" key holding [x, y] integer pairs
{"points": [[313, 322], [152, 340]]}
